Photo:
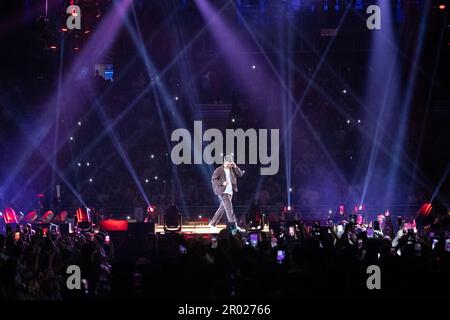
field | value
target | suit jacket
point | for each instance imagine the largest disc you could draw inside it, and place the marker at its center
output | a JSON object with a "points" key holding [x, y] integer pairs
{"points": [[219, 177]]}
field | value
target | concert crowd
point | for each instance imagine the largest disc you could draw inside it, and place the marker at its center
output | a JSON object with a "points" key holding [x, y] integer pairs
{"points": [[296, 260]]}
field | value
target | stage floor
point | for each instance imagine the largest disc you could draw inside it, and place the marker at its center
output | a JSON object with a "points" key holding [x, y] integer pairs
{"points": [[202, 229], [193, 229]]}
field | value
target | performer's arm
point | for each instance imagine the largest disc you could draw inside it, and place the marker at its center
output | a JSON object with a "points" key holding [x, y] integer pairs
{"points": [[237, 171], [215, 177]]}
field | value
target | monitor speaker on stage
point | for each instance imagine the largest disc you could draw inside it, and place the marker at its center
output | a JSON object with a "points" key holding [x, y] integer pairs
{"points": [[172, 219]]}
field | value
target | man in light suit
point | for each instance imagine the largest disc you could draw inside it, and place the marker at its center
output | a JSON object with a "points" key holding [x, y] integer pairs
{"points": [[224, 183]]}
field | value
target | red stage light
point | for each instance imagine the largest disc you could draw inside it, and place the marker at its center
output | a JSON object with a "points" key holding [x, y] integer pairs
{"points": [[48, 216], [83, 218], [151, 214], [114, 225], [53, 47], [30, 216], [425, 209], [83, 215], [63, 29], [10, 216], [441, 7]]}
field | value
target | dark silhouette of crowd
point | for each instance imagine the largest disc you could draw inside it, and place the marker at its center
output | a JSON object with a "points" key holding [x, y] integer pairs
{"points": [[293, 261]]}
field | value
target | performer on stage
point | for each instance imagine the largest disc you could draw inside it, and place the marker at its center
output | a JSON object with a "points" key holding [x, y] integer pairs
{"points": [[224, 183]]}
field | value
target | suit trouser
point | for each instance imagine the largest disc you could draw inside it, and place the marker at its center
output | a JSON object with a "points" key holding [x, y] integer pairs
{"points": [[225, 207]]}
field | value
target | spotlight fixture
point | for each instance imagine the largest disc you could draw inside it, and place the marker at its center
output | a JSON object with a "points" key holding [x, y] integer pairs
{"points": [[79, 164], [344, 91], [348, 121], [146, 180], [47, 217], [90, 180], [87, 164], [71, 138], [79, 123], [10, 216], [152, 156], [83, 218], [176, 98], [233, 120], [253, 67], [156, 177]]}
